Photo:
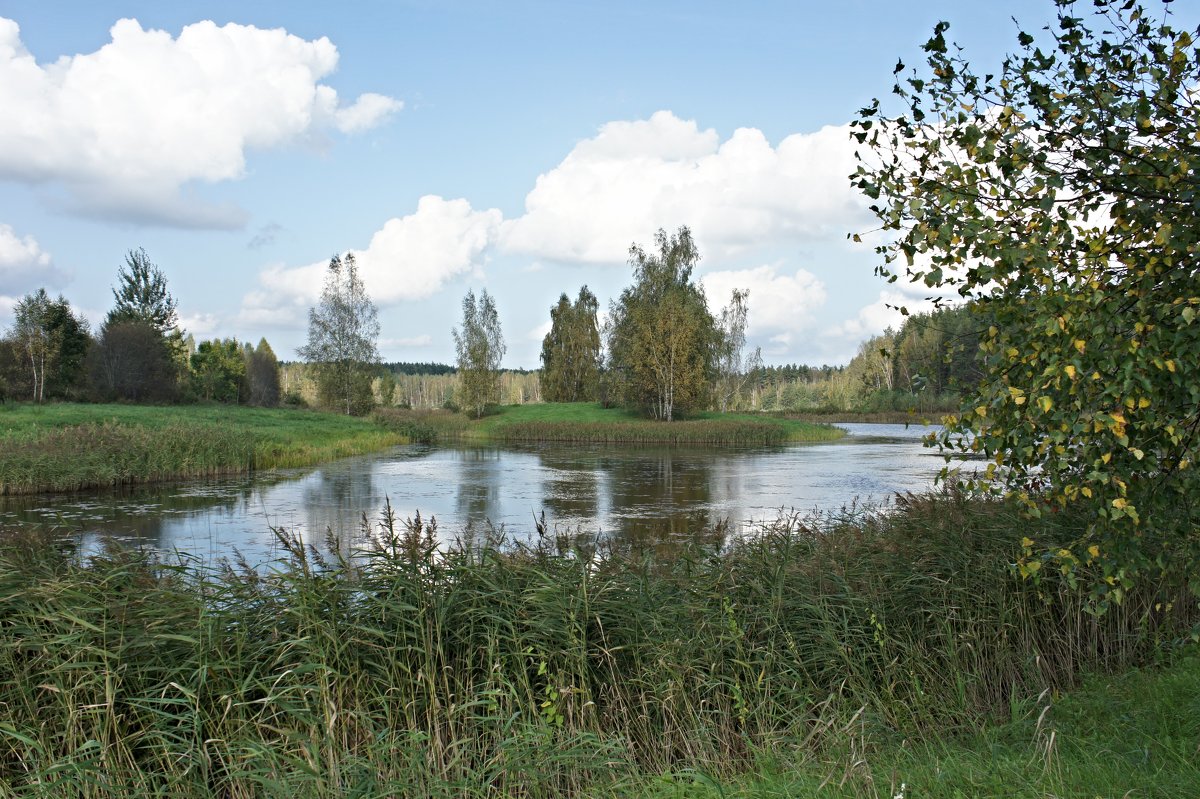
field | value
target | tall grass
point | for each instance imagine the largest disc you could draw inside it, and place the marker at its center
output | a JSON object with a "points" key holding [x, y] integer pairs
{"points": [[72, 447], [565, 668]]}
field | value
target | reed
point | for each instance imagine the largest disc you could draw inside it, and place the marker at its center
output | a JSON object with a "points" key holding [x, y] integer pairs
{"points": [[568, 667], [73, 447]]}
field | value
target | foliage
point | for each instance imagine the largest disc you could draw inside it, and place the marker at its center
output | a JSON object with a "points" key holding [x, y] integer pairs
{"points": [[571, 350], [342, 332], [939, 352], [661, 337], [141, 295], [32, 337], [219, 370], [132, 361], [422, 668], [262, 375], [734, 369], [410, 368], [1059, 193], [480, 347], [52, 341]]}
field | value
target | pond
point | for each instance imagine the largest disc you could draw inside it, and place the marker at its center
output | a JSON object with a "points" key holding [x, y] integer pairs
{"points": [[645, 496]]}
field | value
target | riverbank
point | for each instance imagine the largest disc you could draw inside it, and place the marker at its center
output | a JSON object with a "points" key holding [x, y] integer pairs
{"points": [[573, 668], [1130, 734], [863, 417], [585, 422], [70, 447]]}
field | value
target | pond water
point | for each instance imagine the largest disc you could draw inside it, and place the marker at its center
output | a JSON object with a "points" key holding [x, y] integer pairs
{"points": [[642, 495]]}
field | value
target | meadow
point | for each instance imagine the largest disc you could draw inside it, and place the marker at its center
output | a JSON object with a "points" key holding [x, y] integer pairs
{"points": [[854, 653]]}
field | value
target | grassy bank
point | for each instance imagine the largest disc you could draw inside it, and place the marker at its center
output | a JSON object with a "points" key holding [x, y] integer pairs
{"points": [[584, 422], [564, 669], [67, 447], [1131, 735]]}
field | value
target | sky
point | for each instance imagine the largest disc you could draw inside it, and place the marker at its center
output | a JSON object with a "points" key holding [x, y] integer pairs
{"points": [[519, 147]]}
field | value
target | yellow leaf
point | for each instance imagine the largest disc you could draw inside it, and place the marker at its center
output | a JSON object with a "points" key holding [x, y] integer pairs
{"points": [[1045, 403], [1080, 345], [1087, 492], [1119, 503], [981, 411], [1170, 366], [1027, 542], [1106, 457], [1070, 370], [1094, 551], [1143, 402]]}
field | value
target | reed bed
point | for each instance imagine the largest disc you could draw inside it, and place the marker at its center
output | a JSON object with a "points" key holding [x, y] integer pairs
{"points": [[567, 668], [59, 448]]}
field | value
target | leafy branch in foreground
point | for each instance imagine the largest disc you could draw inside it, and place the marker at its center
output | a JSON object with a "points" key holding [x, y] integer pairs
{"points": [[1059, 196]]}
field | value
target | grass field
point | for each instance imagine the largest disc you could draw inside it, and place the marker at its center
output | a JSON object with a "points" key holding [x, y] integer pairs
{"points": [[67, 447], [583, 422], [858, 654]]}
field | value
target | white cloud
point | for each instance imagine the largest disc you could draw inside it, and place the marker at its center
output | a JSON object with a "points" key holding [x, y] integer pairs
{"points": [[540, 332], [423, 340], [6, 306], [778, 302], [409, 258], [200, 324], [24, 264], [635, 177], [885, 312], [125, 128]]}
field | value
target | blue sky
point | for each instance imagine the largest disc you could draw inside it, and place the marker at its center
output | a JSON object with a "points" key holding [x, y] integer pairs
{"points": [[516, 146]]}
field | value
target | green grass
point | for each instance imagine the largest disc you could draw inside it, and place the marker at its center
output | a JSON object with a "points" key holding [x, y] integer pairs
{"points": [[67, 447], [810, 650], [582, 422], [1136, 734]]}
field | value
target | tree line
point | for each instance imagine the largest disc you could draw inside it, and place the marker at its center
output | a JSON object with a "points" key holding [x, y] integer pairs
{"points": [[662, 352], [138, 353]]}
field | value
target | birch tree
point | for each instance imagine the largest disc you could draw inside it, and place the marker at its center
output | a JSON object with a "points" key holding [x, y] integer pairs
{"points": [[343, 330], [662, 338]]}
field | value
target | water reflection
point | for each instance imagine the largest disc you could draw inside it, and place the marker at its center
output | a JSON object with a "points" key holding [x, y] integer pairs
{"points": [[639, 497], [663, 496]]}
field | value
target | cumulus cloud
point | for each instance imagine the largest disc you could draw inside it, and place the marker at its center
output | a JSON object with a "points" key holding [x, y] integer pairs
{"points": [[124, 129], [540, 332], [24, 265], [634, 177], [881, 314], [200, 324], [409, 258], [779, 303]]}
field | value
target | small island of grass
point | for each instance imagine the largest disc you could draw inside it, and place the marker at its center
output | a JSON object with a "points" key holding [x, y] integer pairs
{"points": [[590, 422]]}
